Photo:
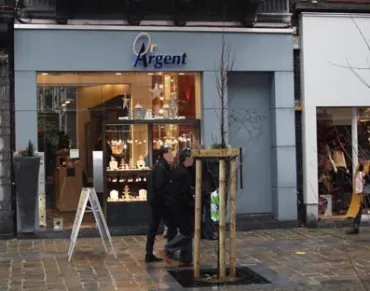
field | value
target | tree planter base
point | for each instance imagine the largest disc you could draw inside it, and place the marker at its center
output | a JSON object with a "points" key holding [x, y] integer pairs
{"points": [[26, 171], [208, 278]]}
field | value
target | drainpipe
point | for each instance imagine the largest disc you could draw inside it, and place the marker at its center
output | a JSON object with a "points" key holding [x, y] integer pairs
{"points": [[12, 122]]}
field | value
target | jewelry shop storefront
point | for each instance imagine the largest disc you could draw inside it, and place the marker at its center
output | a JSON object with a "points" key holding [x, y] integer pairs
{"points": [[98, 103]]}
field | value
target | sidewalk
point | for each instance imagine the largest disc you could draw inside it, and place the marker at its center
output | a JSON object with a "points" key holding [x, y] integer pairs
{"points": [[292, 259]]}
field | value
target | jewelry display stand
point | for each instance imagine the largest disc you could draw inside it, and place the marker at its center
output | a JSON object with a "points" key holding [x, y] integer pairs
{"points": [[126, 170]]}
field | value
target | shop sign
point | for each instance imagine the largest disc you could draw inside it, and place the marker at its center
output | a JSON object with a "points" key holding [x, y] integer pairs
{"points": [[147, 55]]}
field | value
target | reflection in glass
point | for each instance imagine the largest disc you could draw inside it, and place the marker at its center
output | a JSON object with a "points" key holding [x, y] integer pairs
{"points": [[72, 108], [363, 131], [174, 136], [334, 145]]}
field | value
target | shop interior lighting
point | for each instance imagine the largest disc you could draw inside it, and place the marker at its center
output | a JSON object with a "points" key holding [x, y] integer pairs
{"points": [[66, 102], [44, 74], [118, 74]]}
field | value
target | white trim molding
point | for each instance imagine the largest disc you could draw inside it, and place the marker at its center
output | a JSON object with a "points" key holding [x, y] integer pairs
{"points": [[153, 28]]}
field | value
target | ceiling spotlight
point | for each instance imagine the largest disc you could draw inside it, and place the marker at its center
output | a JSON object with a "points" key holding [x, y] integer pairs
{"points": [[118, 74], [181, 74], [44, 74]]}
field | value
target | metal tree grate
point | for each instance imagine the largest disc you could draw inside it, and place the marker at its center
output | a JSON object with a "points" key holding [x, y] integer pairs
{"points": [[245, 276]]}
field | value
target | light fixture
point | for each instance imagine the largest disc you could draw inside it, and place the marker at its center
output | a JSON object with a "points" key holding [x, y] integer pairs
{"points": [[160, 86], [181, 74], [64, 105], [68, 101], [150, 74], [118, 74], [44, 74], [160, 73]]}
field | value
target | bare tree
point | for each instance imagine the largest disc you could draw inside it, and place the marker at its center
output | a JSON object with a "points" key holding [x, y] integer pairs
{"points": [[224, 66]]}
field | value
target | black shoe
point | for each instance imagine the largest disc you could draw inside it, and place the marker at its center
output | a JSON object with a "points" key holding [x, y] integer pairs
{"points": [[353, 230], [150, 258]]}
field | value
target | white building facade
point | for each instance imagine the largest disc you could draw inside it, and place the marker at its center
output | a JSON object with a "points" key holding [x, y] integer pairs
{"points": [[335, 79]]}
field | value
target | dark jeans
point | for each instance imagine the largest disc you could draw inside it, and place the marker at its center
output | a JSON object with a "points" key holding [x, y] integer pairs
{"points": [[207, 223], [184, 240], [184, 244], [158, 213]]}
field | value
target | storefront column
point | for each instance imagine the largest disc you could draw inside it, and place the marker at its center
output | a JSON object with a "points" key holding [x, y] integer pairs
{"points": [[283, 151], [211, 106], [25, 117], [354, 140], [25, 108], [310, 164]]}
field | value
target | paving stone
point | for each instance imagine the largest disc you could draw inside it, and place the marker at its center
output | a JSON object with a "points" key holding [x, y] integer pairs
{"points": [[296, 259]]}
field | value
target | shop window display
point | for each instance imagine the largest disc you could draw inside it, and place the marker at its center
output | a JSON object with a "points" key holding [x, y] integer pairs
{"points": [[334, 145], [363, 131], [126, 116]]}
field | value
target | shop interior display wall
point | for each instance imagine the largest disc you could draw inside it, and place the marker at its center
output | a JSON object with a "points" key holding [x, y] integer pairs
{"points": [[79, 103]]}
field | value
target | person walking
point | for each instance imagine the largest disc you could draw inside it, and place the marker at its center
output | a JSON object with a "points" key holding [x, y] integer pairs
{"points": [[208, 186], [182, 205], [158, 194], [360, 179]]}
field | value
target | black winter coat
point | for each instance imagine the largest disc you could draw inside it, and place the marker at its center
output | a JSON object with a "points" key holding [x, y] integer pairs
{"points": [[161, 181], [208, 181], [182, 196], [182, 200]]}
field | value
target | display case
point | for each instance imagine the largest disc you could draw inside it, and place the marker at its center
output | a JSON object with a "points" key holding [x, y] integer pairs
{"points": [[130, 150]]}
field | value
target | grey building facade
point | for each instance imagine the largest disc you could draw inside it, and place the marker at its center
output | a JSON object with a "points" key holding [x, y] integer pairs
{"points": [[261, 113]]}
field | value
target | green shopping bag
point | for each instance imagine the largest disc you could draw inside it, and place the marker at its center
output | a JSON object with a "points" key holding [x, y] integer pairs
{"points": [[215, 202]]}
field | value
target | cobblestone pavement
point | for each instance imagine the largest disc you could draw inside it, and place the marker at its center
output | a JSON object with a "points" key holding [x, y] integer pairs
{"points": [[292, 259]]}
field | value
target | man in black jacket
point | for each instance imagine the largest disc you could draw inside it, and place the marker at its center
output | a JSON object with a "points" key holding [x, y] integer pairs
{"points": [[208, 186], [158, 197], [182, 204]]}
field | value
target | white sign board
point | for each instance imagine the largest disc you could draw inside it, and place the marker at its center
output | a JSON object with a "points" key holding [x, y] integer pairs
{"points": [[89, 195]]}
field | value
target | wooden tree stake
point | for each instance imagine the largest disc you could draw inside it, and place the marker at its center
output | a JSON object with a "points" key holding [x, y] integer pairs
{"points": [[198, 217], [222, 223], [233, 218]]}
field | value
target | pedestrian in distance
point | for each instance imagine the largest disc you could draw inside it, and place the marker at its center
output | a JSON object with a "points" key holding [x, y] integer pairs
{"points": [[159, 181], [361, 179], [182, 205]]}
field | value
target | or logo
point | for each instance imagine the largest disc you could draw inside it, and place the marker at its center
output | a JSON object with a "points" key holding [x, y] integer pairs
{"points": [[147, 55]]}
